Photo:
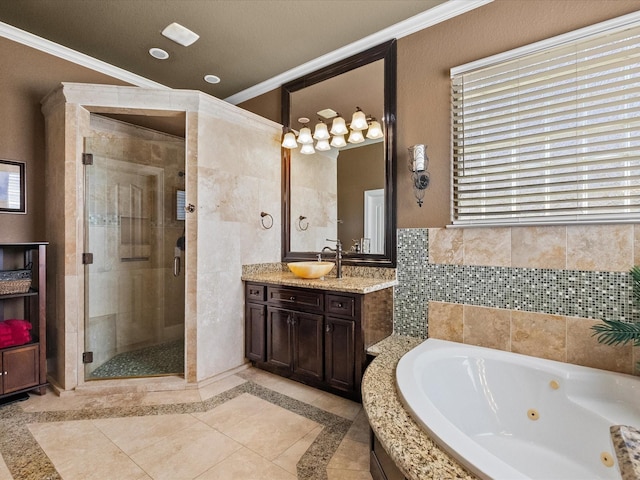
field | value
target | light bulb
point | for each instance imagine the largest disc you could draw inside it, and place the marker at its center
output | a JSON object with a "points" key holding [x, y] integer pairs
{"points": [[356, 137], [307, 149], [375, 130], [338, 141], [323, 145], [304, 137], [359, 120], [289, 140], [339, 127], [321, 132]]}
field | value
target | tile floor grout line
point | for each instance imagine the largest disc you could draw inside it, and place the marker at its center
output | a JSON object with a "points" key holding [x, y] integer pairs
{"points": [[26, 460]]}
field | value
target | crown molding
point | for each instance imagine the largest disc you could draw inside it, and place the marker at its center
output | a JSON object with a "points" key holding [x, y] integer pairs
{"points": [[30, 40], [423, 20]]}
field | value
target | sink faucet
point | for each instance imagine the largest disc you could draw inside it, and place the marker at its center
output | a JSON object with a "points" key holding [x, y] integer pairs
{"points": [[338, 251]]}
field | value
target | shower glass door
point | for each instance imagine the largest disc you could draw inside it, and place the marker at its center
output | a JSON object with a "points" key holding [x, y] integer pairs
{"points": [[134, 283]]}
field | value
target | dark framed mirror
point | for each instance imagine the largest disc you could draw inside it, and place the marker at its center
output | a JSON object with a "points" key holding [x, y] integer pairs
{"points": [[346, 192]]}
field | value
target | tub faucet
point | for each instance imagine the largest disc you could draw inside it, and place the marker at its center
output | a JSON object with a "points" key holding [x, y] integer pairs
{"points": [[338, 251]]}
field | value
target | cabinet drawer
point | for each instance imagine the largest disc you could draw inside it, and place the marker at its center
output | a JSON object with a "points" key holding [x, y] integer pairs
{"points": [[295, 298], [341, 305], [255, 292]]}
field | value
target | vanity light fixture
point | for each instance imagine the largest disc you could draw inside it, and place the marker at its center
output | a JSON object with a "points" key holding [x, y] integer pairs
{"points": [[338, 141], [356, 136], [321, 132], [339, 126], [359, 120], [335, 137], [375, 130], [418, 163]]}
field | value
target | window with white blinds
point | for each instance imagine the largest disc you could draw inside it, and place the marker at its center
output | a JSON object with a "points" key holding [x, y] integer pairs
{"points": [[552, 135]]}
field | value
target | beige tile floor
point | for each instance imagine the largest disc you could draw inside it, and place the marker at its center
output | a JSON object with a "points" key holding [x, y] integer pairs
{"points": [[244, 438]]}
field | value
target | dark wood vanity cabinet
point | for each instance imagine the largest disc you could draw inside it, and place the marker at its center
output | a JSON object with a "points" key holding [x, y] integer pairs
{"points": [[314, 336]]}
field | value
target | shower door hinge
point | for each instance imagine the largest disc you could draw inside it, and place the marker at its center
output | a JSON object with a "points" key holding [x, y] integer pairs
{"points": [[87, 258], [87, 357], [87, 158]]}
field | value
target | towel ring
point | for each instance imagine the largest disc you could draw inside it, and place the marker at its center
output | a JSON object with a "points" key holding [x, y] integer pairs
{"points": [[265, 214], [300, 219]]}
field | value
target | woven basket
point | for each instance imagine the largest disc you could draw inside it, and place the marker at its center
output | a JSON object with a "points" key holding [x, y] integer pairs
{"points": [[14, 281]]}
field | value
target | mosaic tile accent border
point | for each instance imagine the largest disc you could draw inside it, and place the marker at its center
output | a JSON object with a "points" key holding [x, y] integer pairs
{"points": [[27, 461], [588, 294]]}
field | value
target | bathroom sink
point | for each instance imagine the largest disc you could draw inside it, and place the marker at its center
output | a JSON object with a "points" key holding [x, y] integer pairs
{"points": [[310, 269]]}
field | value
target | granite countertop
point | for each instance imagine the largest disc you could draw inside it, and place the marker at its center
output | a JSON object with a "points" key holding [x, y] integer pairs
{"points": [[412, 450], [351, 282]]}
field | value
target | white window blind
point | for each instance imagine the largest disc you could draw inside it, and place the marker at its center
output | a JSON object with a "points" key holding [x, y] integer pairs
{"points": [[552, 136]]}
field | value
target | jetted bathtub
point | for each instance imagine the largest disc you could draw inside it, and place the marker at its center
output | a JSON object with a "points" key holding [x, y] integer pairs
{"points": [[509, 416]]}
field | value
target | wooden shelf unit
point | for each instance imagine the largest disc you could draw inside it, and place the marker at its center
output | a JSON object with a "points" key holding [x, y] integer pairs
{"points": [[24, 367]]}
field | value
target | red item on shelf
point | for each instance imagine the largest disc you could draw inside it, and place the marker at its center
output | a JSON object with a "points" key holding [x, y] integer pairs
{"points": [[14, 323], [14, 332]]}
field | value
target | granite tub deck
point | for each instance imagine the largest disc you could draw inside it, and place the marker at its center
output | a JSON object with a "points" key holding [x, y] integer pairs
{"points": [[626, 441], [412, 450]]}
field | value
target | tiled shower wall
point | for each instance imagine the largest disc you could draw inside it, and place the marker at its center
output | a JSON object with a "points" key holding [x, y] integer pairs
{"points": [[579, 271]]}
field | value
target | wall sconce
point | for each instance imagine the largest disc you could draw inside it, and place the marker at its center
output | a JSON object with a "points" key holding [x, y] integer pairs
{"points": [[335, 137], [418, 163]]}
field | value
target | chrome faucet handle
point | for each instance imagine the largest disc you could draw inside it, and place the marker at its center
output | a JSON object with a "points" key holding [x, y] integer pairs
{"points": [[337, 242], [319, 257]]}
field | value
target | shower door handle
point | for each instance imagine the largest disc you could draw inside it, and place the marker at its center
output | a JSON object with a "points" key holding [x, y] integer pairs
{"points": [[176, 266]]}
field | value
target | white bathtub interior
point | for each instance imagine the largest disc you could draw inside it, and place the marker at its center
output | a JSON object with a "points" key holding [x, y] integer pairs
{"points": [[505, 415]]}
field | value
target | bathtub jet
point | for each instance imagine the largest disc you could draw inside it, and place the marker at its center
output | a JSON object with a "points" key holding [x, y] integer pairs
{"points": [[508, 416]]}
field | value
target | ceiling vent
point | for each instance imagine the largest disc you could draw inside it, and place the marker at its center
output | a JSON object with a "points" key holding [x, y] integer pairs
{"points": [[180, 34]]}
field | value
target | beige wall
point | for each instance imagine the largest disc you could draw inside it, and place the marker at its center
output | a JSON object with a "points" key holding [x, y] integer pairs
{"points": [[359, 169], [26, 76], [424, 61]]}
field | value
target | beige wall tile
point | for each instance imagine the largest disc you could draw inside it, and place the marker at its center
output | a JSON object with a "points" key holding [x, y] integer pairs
{"points": [[445, 321], [539, 247], [446, 245], [539, 335], [583, 348], [487, 246], [487, 327], [600, 247]]}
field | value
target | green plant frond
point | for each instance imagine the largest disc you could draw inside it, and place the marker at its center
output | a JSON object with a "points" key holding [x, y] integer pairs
{"points": [[635, 278], [615, 332]]}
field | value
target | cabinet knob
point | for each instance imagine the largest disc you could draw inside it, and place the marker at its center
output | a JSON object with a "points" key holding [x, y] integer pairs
{"points": [[327, 328], [340, 305], [292, 298]]}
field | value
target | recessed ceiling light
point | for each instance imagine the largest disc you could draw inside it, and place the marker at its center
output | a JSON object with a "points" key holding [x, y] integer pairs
{"points": [[180, 34], [158, 53], [303, 120], [211, 79]]}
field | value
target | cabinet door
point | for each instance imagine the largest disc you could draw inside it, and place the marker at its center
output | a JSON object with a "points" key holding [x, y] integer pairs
{"points": [[308, 345], [279, 351], [20, 368], [339, 353], [255, 332]]}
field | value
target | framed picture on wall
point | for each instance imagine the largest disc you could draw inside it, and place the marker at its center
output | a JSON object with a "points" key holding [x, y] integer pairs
{"points": [[13, 198]]}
